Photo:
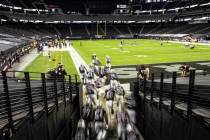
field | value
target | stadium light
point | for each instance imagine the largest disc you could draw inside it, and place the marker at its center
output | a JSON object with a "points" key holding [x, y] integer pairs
{"points": [[205, 4], [192, 6], [81, 21], [17, 8], [38, 21], [3, 20]]}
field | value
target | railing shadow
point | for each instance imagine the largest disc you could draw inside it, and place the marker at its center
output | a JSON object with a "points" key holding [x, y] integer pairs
{"points": [[171, 110], [38, 106]]}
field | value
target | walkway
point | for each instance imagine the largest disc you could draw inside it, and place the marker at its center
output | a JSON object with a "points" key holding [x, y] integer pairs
{"points": [[24, 61], [77, 59], [199, 80]]}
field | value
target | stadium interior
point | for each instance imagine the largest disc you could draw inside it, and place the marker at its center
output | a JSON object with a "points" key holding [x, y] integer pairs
{"points": [[53, 51]]}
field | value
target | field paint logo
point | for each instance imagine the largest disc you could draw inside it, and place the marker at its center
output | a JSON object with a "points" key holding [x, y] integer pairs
{"points": [[175, 68], [204, 64], [171, 68], [141, 56], [115, 48], [126, 73]]}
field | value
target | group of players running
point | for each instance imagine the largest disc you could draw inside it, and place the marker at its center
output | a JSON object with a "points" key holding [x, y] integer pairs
{"points": [[101, 83]]}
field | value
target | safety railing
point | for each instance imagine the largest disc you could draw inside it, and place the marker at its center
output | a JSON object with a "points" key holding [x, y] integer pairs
{"points": [[192, 96], [29, 95], [173, 110]]}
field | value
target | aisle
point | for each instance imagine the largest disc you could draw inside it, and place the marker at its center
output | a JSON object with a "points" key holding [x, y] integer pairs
{"points": [[77, 59], [112, 129]]}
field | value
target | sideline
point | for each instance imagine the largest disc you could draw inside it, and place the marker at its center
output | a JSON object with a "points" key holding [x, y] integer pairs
{"points": [[24, 61], [182, 42], [77, 59]]}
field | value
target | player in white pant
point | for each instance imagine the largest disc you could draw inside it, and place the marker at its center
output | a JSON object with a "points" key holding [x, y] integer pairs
{"points": [[99, 84], [91, 93], [120, 93], [101, 122], [109, 96], [108, 62]]}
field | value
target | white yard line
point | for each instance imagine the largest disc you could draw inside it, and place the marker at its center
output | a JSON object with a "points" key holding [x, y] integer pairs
{"points": [[77, 59], [58, 49], [182, 42], [26, 60]]}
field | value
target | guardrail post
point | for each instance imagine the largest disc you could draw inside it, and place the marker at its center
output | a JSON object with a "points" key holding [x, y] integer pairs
{"points": [[13, 74], [44, 90], [55, 92], [173, 92], [64, 90], [70, 89], [137, 77], [70, 128], [144, 87], [190, 93], [136, 90], [29, 95], [8, 103], [78, 96], [140, 106], [161, 90], [152, 88], [144, 104]]}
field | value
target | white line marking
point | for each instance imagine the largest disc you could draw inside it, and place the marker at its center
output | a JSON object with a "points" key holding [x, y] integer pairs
{"points": [[77, 59]]}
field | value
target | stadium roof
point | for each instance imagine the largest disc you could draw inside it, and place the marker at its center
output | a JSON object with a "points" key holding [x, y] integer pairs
{"points": [[106, 6]]}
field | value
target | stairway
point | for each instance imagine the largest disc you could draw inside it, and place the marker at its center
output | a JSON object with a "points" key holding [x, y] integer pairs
{"points": [[112, 134], [142, 28], [131, 33], [56, 30], [23, 4], [117, 30], [70, 31], [87, 30], [102, 30]]}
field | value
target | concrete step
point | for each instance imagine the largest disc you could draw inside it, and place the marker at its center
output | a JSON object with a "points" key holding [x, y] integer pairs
{"points": [[112, 134]]}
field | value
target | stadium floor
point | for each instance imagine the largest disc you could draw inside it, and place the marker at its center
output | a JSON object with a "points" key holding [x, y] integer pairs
{"points": [[44, 64], [127, 73], [136, 52], [199, 80], [125, 65]]}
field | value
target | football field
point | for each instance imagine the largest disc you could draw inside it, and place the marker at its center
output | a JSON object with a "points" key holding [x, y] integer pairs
{"points": [[137, 52], [133, 52], [43, 64]]}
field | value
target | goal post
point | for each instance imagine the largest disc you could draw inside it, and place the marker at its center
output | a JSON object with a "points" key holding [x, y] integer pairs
{"points": [[97, 28], [104, 28]]}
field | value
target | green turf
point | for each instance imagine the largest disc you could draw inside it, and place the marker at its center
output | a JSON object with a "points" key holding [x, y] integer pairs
{"points": [[140, 51], [42, 64]]}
